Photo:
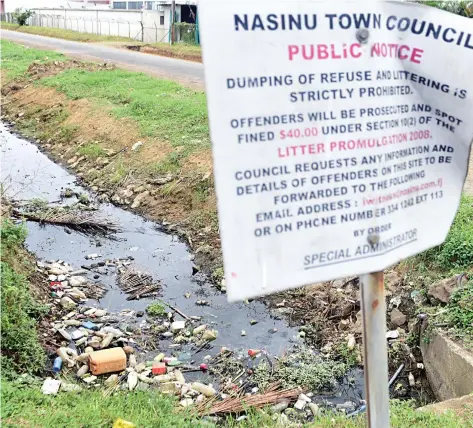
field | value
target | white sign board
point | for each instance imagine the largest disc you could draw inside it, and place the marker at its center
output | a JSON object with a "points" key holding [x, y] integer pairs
{"points": [[333, 157]]}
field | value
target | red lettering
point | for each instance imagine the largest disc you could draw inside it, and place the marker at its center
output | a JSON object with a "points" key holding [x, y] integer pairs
{"points": [[352, 50], [416, 55], [293, 50], [322, 52]]}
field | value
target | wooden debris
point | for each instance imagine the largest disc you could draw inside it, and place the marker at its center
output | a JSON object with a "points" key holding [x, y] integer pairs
{"points": [[83, 221], [241, 404], [137, 284]]}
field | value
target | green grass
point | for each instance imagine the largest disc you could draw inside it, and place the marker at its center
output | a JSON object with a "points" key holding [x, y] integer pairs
{"points": [[91, 150], [60, 33], [453, 256], [21, 350], [162, 108], [457, 250], [89, 409], [17, 58], [22, 406], [458, 315]]}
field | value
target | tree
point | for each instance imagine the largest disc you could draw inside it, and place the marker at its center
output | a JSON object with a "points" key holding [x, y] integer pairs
{"points": [[21, 16], [463, 8]]}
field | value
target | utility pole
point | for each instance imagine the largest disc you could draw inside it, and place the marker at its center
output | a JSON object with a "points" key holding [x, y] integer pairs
{"points": [[173, 18]]}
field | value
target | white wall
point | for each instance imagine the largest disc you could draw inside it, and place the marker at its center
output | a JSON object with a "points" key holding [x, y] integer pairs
{"points": [[137, 25]]}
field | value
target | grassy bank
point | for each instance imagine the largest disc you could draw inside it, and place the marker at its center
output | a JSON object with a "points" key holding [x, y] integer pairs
{"points": [[21, 310], [26, 406], [60, 33], [178, 50]]}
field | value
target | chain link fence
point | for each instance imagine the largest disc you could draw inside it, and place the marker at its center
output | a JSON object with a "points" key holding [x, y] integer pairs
{"points": [[131, 29]]}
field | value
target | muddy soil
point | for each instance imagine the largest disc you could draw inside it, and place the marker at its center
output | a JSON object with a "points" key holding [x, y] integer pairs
{"points": [[155, 50]]}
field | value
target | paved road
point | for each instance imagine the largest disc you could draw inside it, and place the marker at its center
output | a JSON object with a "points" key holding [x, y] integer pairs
{"points": [[186, 72]]}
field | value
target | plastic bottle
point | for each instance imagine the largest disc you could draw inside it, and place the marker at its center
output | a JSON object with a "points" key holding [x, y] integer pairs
{"points": [[57, 365]]}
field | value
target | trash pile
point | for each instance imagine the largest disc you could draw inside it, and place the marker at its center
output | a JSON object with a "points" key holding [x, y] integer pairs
{"points": [[96, 349]]}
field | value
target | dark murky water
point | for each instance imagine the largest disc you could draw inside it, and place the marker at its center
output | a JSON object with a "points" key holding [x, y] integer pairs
{"points": [[27, 173]]}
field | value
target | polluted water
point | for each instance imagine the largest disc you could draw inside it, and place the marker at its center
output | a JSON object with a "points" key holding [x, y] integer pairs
{"points": [[29, 174]]}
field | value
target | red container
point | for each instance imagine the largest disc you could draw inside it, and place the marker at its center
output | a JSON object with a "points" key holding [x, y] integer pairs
{"points": [[158, 368]]}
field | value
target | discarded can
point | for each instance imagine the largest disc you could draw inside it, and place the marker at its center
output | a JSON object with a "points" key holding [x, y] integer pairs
{"points": [[253, 352], [158, 368], [57, 365], [204, 367]]}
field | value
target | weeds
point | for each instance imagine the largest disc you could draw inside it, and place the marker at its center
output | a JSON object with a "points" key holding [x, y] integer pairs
{"points": [[303, 368], [457, 250], [91, 150], [21, 350], [156, 309]]}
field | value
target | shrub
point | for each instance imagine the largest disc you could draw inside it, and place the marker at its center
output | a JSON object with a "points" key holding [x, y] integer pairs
{"points": [[20, 350], [21, 16], [457, 250]]}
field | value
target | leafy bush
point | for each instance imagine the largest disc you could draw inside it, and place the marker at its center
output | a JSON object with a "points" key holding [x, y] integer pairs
{"points": [[21, 350], [12, 235], [21, 16], [457, 250], [462, 8], [460, 308]]}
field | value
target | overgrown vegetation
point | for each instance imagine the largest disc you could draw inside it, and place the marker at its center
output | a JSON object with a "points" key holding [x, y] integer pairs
{"points": [[463, 8], [457, 250], [21, 350], [91, 150], [21, 16], [457, 317], [156, 309], [304, 368]]}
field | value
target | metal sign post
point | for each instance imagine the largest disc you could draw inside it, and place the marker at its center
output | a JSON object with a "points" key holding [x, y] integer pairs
{"points": [[375, 353]]}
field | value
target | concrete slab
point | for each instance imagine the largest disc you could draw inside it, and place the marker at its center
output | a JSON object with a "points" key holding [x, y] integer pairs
{"points": [[449, 367], [462, 407]]}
